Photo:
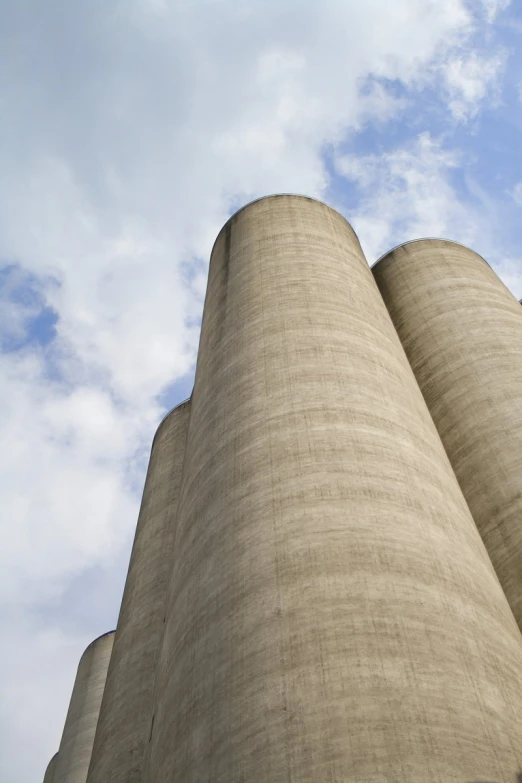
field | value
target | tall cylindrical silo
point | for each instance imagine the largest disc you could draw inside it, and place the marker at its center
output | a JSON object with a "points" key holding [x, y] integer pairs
{"points": [[461, 329], [125, 717], [49, 772], [333, 614], [75, 749]]}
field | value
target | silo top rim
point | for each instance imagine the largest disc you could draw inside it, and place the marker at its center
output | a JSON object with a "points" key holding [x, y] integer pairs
{"points": [[427, 239], [101, 636], [166, 416], [280, 195]]}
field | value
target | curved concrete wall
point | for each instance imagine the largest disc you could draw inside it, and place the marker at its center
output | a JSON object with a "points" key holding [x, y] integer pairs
{"points": [[75, 750], [125, 717], [333, 613], [462, 332], [49, 772]]}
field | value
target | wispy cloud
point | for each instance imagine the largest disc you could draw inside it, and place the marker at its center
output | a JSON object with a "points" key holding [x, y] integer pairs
{"points": [[413, 191], [407, 193], [493, 7], [517, 193]]}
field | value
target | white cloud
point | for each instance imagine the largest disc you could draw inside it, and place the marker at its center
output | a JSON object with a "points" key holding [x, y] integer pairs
{"points": [[471, 79], [128, 131], [65, 496]]}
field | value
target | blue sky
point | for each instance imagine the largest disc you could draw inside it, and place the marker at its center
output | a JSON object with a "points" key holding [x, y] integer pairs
{"points": [[130, 131]]}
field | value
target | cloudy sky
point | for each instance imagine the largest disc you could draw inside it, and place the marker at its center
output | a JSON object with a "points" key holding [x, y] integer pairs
{"points": [[129, 131]]}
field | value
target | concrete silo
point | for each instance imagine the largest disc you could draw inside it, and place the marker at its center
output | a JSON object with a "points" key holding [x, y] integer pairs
{"points": [[333, 614], [124, 725], [49, 772], [462, 332], [75, 749]]}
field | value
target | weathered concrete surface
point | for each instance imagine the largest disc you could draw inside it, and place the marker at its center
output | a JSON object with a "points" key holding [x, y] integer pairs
{"points": [[333, 614], [49, 772], [75, 749], [125, 717], [462, 332]]}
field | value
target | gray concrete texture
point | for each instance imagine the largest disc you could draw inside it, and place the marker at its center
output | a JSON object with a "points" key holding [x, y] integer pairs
{"points": [[333, 614], [125, 718], [461, 329], [49, 772], [77, 740]]}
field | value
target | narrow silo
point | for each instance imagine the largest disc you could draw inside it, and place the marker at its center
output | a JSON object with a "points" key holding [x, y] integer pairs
{"points": [[461, 329], [125, 717], [75, 749], [49, 772], [333, 614]]}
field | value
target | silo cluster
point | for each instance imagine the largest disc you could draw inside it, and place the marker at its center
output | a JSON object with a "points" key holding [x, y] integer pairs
{"points": [[325, 583]]}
